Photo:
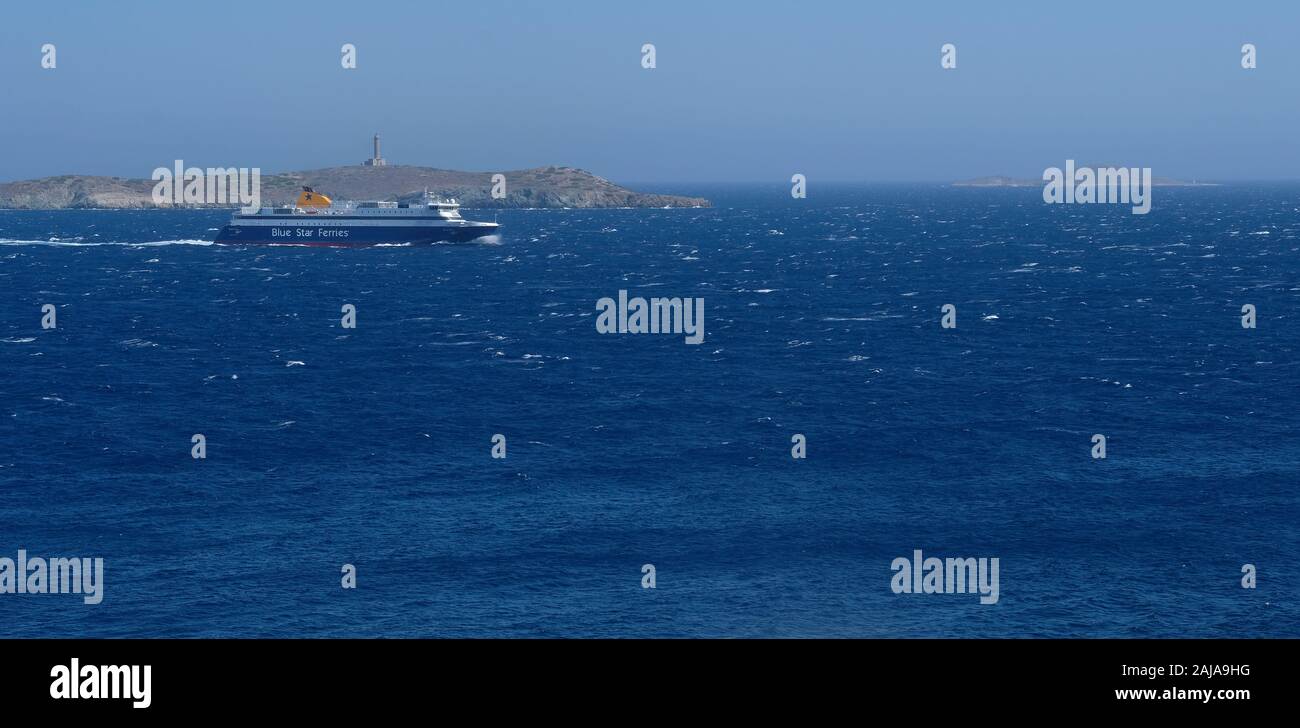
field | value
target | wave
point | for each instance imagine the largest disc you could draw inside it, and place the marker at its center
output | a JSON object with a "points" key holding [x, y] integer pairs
{"points": [[51, 241], [76, 243], [137, 344]]}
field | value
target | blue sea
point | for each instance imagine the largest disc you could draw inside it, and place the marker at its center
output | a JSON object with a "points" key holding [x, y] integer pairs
{"points": [[371, 446]]}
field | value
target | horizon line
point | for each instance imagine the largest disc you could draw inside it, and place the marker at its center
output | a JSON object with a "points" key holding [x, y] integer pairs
{"points": [[774, 181]]}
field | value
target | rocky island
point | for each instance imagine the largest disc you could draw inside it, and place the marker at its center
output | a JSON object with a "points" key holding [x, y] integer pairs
{"points": [[538, 187]]}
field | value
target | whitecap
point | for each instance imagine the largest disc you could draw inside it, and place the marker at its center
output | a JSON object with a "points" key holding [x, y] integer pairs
{"points": [[51, 241]]}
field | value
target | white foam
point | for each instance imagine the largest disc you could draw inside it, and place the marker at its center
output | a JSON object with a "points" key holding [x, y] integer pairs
{"points": [[76, 243], [51, 241]]}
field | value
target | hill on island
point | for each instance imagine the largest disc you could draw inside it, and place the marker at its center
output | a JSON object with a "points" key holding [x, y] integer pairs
{"points": [[538, 187]]}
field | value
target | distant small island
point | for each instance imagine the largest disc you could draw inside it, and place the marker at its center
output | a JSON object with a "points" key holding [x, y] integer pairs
{"points": [[556, 187], [1005, 181]]}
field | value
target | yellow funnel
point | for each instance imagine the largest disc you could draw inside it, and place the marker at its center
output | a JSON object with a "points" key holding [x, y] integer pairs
{"points": [[311, 198]]}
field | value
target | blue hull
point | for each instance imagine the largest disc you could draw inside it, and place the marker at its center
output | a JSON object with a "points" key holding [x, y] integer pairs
{"points": [[348, 236]]}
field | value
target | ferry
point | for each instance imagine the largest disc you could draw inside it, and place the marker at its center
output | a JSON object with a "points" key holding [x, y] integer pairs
{"points": [[315, 219]]}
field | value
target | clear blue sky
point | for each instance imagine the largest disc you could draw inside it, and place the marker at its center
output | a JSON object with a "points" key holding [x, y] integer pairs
{"points": [[744, 91]]}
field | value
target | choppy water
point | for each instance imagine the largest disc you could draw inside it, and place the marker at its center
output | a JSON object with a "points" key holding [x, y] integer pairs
{"points": [[371, 445]]}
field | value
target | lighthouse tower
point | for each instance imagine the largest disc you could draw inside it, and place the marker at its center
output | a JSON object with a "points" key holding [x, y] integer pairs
{"points": [[375, 161]]}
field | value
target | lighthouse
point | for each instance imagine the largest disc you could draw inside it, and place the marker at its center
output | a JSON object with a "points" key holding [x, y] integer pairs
{"points": [[375, 161]]}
